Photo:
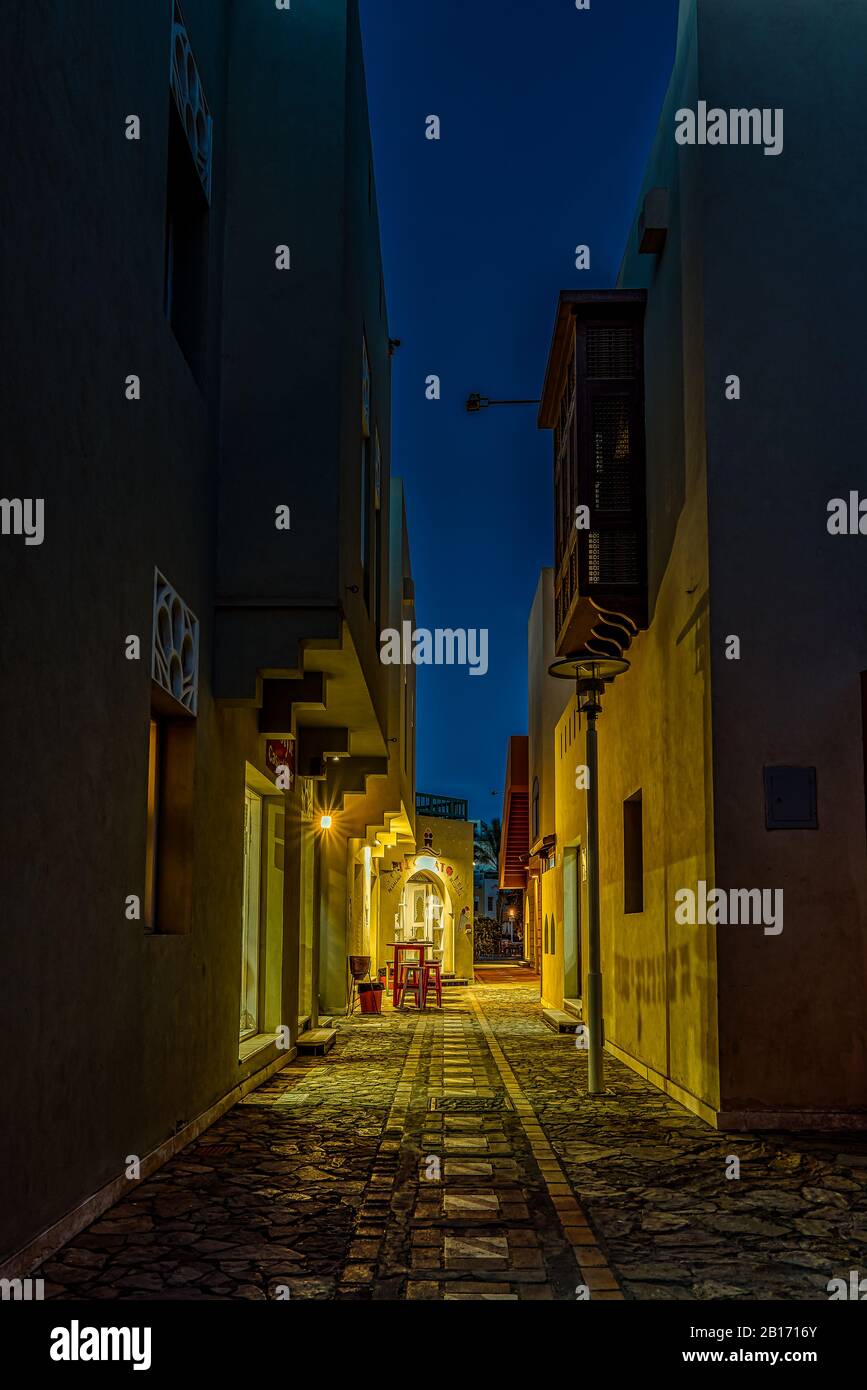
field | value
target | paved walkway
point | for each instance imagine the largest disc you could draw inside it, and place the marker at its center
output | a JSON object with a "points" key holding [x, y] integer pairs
{"points": [[456, 1155]]}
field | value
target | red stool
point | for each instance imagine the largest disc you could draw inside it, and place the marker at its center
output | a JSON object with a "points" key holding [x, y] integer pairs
{"points": [[409, 982], [404, 954], [432, 974]]}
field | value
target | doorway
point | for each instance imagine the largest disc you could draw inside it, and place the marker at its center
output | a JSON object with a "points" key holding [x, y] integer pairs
{"points": [[424, 915], [571, 923], [251, 914]]}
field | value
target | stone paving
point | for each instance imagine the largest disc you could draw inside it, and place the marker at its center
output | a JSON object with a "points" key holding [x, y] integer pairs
{"points": [[454, 1154]]}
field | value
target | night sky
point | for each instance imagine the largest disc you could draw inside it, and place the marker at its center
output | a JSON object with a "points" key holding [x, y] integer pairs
{"points": [[547, 118]]}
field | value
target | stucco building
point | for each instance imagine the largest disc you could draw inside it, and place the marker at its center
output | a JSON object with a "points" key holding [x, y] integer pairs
{"points": [[200, 393], [702, 415]]}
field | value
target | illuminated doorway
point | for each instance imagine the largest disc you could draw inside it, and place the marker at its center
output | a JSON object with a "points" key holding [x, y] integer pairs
{"points": [[425, 915]]}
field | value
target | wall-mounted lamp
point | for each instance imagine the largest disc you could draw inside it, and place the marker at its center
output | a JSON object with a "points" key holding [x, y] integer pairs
{"points": [[476, 402], [325, 823]]}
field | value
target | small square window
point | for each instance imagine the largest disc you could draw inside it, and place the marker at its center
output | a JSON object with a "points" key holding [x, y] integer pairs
{"points": [[790, 798]]}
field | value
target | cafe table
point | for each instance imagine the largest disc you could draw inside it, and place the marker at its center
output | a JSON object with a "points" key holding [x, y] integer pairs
{"points": [[403, 948]]}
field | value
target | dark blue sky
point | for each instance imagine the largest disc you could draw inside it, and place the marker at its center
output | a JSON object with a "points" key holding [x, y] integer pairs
{"points": [[547, 118]]}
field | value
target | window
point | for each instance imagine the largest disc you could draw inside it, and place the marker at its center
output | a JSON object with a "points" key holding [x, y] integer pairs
{"points": [[365, 519], [546, 935], [633, 855], [412, 733], [365, 390], [366, 470], [490, 903], [864, 734], [250, 915], [376, 567], [535, 809], [153, 805], [169, 826], [553, 936], [188, 191]]}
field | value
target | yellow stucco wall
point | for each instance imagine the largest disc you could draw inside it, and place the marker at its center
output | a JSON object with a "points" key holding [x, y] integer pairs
{"points": [[659, 978]]}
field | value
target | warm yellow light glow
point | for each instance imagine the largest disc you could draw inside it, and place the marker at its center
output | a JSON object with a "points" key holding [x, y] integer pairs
{"points": [[325, 823]]}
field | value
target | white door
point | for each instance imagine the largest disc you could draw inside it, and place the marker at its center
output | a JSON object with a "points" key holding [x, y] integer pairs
{"points": [[250, 914]]}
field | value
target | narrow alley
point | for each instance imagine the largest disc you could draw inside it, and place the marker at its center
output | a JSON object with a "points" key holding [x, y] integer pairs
{"points": [[454, 1154]]}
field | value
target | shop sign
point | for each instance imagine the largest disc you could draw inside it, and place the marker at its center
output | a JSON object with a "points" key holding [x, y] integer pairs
{"points": [[280, 754]]}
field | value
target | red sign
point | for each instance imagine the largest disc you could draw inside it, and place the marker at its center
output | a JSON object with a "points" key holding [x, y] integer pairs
{"points": [[280, 756]]}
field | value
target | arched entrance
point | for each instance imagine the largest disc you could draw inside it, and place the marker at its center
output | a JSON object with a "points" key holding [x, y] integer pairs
{"points": [[424, 912], [428, 896]]}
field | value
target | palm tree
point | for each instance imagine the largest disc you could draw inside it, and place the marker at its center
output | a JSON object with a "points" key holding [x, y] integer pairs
{"points": [[487, 845]]}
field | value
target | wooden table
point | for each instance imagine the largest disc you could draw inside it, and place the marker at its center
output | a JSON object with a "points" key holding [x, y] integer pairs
{"points": [[402, 948]]}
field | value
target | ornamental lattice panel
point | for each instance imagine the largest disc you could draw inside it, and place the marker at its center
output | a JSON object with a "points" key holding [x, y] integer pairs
{"points": [[175, 660], [192, 107]]}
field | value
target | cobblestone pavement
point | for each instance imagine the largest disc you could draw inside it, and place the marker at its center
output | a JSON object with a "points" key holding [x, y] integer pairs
{"points": [[455, 1154]]}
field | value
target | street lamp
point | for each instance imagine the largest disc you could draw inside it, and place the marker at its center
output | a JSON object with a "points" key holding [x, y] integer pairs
{"points": [[591, 674], [325, 823]]}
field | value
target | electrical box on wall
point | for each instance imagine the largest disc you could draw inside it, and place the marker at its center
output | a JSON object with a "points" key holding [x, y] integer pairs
{"points": [[790, 798]]}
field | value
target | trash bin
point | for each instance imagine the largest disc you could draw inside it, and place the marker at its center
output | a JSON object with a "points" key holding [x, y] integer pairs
{"points": [[370, 997]]}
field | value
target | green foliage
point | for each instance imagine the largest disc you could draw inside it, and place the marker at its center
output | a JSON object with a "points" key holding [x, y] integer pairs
{"points": [[487, 844]]}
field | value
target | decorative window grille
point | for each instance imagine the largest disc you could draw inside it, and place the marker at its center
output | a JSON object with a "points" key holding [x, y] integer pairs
{"points": [[611, 352], [599, 463], [175, 657], [564, 461], [192, 107], [612, 454]]}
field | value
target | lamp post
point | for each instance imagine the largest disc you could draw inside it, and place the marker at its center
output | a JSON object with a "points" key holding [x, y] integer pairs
{"points": [[591, 674]]}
